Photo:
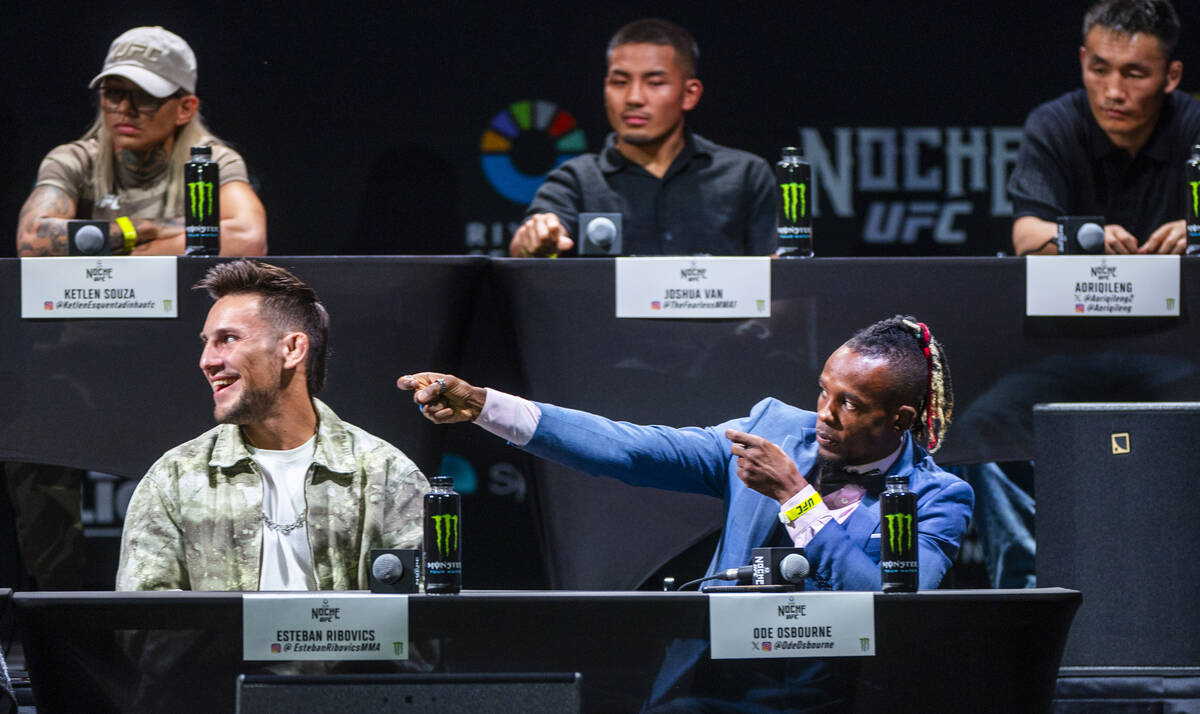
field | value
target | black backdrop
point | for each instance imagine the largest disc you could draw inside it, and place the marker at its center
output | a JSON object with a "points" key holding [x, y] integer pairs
{"points": [[362, 121]]}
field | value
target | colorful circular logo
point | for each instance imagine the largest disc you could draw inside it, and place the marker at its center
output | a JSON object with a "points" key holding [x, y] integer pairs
{"points": [[524, 143]]}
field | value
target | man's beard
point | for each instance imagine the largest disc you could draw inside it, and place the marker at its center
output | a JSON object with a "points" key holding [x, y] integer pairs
{"points": [[254, 406]]}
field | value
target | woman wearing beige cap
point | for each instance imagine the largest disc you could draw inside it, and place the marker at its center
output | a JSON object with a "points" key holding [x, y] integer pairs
{"points": [[128, 168]]}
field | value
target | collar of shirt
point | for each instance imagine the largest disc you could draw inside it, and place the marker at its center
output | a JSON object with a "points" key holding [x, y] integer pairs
{"points": [[611, 160], [1157, 147], [882, 464], [843, 501], [333, 450]]}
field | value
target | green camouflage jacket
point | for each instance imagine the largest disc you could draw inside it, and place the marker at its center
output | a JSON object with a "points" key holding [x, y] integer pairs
{"points": [[195, 519]]}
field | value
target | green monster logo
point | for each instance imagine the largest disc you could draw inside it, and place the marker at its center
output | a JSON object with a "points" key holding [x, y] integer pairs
{"points": [[200, 199], [1195, 197], [898, 524], [793, 196], [447, 533]]}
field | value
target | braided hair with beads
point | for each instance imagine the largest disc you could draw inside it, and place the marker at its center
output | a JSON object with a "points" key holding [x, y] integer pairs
{"points": [[921, 369]]}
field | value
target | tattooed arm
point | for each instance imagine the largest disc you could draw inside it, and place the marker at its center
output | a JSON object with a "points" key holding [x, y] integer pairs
{"points": [[42, 225]]}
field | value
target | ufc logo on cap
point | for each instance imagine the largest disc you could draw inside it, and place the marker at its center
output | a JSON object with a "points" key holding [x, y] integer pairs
{"points": [[129, 49]]}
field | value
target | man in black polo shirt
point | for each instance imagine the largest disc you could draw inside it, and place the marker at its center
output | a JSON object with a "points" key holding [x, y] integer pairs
{"points": [[1117, 147], [678, 193]]}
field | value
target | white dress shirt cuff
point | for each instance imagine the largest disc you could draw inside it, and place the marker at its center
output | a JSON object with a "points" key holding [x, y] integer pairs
{"points": [[805, 527], [509, 417]]}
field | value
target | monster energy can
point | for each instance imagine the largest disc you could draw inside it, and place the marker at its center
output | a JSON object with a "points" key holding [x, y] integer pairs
{"points": [[201, 203], [443, 538], [1191, 200], [898, 536], [793, 216]]}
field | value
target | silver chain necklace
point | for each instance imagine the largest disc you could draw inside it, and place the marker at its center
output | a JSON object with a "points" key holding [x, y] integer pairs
{"points": [[284, 529]]}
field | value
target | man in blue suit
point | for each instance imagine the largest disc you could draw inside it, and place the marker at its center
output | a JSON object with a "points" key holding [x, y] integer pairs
{"points": [[787, 475]]}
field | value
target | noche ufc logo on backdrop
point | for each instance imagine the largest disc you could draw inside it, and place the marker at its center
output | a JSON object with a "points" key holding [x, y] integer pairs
{"points": [[895, 185]]}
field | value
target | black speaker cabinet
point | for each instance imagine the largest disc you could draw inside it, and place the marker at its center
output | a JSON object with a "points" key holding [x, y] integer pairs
{"points": [[1118, 518]]}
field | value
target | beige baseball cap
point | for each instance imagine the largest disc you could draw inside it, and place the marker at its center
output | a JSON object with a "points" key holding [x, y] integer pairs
{"points": [[157, 60]]}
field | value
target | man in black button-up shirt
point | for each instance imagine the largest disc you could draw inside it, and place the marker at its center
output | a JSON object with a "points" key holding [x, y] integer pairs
{"points": [[1115, 148], [678, 193]]}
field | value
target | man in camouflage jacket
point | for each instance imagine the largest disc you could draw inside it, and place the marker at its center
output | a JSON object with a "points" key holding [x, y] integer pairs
{"points": [[281, 494]]}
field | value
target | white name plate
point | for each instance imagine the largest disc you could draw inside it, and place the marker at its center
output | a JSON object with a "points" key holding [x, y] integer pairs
{"points": [[1102, 285], [705, 288], [766, 625], [324, 626], [72, 288]]}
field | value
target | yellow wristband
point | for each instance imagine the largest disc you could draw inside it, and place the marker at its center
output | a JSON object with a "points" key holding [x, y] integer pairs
{"points": [[130, 232], [527, 254], [791, 514]]}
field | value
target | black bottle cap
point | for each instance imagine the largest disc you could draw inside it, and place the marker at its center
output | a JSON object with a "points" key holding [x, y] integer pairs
{"points": [[792, 152], [205, 151], [897, 479], [442, 481]]}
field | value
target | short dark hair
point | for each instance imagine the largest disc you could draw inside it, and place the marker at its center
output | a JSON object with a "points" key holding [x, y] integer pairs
{"points": [[1131, 17], [653, 31], [287, 303], [920, 368]]}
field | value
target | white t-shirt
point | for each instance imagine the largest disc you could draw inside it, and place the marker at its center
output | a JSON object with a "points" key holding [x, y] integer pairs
{"points": [[286, 559]]}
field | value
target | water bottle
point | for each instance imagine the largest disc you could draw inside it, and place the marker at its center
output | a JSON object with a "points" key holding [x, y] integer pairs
{"points": [[443, 537], [898, 536], [201, 203], [793, 217]]}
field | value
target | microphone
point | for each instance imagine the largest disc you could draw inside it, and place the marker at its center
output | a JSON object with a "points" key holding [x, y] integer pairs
{"points": [[387, 568], [1091, 237], [793, 568], [768, 566], [1080, 234], [602, 231], [87, 237], [599, 233], [743, 573], [394, 571]]}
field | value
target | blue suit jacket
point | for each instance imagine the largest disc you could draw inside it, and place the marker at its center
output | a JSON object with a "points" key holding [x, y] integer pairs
{"points": [[698, 460]]}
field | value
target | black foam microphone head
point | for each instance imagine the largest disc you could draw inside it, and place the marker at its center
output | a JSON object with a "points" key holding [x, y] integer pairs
{"points": [[793, 568], [387, 568]]}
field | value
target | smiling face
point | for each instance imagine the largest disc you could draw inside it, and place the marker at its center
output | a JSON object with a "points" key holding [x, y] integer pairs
{"points": [[243, 360], [858, 420], [1127, 78], [646, 93]]}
